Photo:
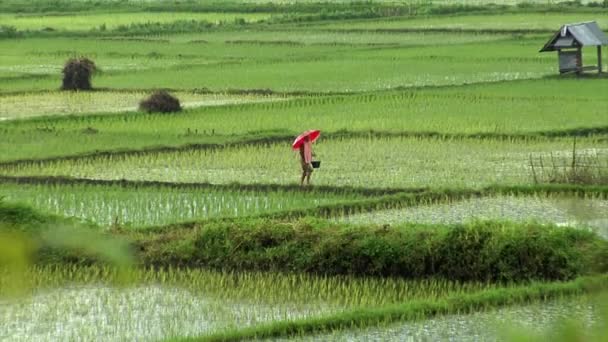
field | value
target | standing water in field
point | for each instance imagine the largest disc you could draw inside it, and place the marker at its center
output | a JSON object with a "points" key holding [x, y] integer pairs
{"points": [[101, 313], [482, 326], [565, 211], [153, 312]]}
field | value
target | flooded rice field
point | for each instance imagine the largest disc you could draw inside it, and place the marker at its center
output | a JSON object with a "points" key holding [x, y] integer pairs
{"points": [[154, 312], [89, 313], [570, 211], [497, 325]]}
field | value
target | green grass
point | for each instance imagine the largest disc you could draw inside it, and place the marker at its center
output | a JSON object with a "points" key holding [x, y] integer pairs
{"points": [[310, 36], [548, 22], [90, 21]]}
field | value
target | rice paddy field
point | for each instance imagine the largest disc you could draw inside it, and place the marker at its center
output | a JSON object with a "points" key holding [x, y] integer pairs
{"points": [[438, 119]]}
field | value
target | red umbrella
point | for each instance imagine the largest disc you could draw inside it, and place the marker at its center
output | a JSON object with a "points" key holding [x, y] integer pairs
{"points": [[313, 134]]}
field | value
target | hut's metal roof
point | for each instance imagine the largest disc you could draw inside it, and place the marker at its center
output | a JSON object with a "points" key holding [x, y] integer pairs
{"points": [[573, 35]]}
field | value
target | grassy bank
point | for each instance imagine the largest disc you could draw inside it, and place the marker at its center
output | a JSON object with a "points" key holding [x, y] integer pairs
{"points": [[484, 251]]}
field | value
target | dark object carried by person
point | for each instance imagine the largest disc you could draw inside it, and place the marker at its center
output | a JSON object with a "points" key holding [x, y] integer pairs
{"points": [[316, 164]]}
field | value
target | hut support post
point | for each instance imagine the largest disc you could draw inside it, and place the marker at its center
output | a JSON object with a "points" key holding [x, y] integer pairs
{"points": [[579, 60], [599, 59]]}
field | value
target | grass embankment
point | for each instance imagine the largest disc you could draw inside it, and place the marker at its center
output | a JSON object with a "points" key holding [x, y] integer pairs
{"points": [[414, 310], [481, 251], [486, 251]]}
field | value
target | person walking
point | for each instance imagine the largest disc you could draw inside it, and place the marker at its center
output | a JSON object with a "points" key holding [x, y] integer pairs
{"points": [[306, 160], [303, 144]]}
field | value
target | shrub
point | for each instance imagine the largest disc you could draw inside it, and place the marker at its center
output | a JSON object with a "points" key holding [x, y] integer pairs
{"points": [[483, 251], [20, 216], [161, 101], [8, 31], [77, 74]]}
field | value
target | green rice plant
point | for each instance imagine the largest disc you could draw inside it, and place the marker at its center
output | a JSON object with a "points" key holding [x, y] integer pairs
{"points": [[116, 21], [411, 311], [591, 211], [319, 68], [157, 205], [537, 321], [365, 162], [23, 106], [165, 303], [195, 301], [500, 110], [535, 22]]}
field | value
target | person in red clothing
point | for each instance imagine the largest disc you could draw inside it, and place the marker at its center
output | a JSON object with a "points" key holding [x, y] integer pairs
{"points": [[306, 160]]}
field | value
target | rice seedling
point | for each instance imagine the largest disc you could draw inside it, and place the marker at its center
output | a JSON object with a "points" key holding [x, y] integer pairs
{"points": [[169, 303], [314, 36], [148, 206], [407, 312], [424, 103], [103, 21], [535, 22], [30, 105], [589, 212], [318, 68], [488, 325], [371, 162], [494, 110]]}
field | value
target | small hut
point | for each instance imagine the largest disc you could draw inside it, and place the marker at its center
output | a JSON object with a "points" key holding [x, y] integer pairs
{"points": [[569, 42]]}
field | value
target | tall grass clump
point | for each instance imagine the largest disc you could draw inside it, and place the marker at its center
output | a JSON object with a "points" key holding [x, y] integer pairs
{"points": [[580, 167], [160, 102], [77, 74]]}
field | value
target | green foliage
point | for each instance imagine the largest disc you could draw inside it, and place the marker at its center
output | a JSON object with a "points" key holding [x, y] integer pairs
{"points": [[489, 251], [8, 32], [22, 216]]}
